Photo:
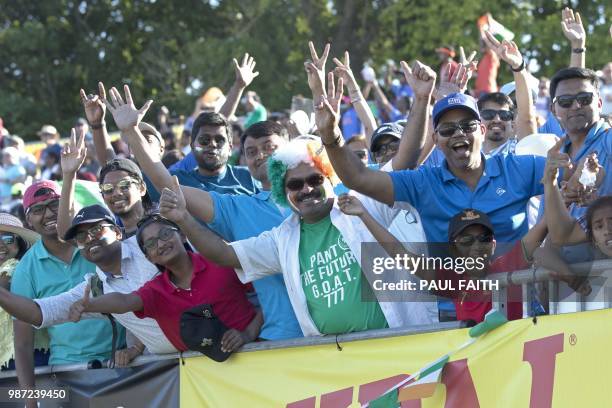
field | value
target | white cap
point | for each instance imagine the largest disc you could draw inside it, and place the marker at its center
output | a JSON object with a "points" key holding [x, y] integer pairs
{"points": [[537, 144]]}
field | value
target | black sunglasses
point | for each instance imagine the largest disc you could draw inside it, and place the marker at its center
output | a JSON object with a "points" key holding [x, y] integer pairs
{"points": [[447, 130], [314, 180], [468, 240], [566, 101], [504, 115]]}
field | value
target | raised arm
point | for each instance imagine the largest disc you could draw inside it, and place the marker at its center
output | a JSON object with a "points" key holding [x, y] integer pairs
{"points": [[343, 70], [315, 68], [115, 302], [72, 157], [95, 111], [561, 226], [20, 307], [244, 76], [351, 205], [508, 51], [127, 118], [353, 173], [573, 30], [172, 207]]}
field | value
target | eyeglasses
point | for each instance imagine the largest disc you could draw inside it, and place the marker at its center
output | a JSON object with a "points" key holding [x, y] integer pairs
{"points": [[504, 115], [468, 240], [7, 239], [96, 232], [40, 209], [123, 185], [314, 180], [566, 101], [207, 140], [267, 149], [164, 235], [390, 147], [447, 130]]}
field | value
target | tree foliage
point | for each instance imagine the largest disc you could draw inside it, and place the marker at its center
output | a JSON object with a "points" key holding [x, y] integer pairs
{"points": [[171, 51]]}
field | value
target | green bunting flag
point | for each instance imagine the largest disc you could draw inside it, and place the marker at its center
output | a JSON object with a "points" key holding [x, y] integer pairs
{"points": [[492, 320]]}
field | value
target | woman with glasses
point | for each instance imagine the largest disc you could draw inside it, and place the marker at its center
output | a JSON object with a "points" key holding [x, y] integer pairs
{"points": [[15, 240], [187, 280]]}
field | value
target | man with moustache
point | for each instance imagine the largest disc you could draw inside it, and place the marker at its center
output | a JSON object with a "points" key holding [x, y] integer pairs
{"points": [[120, 266], [49, 268], [497, 112], [323, 274]]}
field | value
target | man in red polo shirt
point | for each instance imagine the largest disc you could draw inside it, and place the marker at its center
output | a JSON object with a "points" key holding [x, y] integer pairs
{"points": [[187, 280]]}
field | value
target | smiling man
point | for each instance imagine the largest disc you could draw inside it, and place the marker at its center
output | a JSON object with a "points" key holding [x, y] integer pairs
{"points": [[497, 112], [51, 267], [499, 186], [323, 274]]}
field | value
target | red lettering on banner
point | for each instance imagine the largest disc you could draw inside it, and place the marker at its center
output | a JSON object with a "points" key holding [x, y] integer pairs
{"points": [[340, 399], [541, 354], [373, 390], [460, 390]]}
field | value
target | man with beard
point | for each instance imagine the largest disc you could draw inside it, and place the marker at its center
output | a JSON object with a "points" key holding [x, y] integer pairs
{"points": [[49, 268], [121, 184], [323, 274], [497, 112], [232, 216], [120, 267]]}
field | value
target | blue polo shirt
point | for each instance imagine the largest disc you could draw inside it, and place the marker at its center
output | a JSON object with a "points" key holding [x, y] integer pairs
{"points": [[503, 190], [232, 180], [39, 275], [240, 217], [599, 141], [186, 163]]}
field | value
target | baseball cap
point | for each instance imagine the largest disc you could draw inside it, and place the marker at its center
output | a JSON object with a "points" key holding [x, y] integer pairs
{"points": [[201, 330], [47, 130], [36, 194], [392, 129], [116, 164], [464, 219], [454, 101], [89, 215], [150, 129]]}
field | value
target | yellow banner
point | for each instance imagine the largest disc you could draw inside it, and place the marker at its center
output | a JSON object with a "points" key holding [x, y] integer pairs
{"points": [[562, 361]]}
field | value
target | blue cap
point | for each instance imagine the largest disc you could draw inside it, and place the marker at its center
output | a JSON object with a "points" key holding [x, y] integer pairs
{"points": [[89, 215], [454, 101]]}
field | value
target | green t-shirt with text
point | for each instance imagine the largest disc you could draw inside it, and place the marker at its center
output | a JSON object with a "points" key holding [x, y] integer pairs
{"points": [[332, 279]]}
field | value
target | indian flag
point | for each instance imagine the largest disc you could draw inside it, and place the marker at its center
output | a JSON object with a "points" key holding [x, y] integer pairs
{"points": [[425, 382], [86, 193], [487, 22]]}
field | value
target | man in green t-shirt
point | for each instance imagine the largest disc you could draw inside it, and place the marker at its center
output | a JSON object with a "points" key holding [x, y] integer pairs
{"points": [[257, 112]]}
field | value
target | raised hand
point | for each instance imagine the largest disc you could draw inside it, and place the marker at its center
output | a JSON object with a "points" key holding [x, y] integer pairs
{"points": [[470, 63], [343, 70], [245, 72], [350, 205], [125, 113], [420, 77], [572, 27], [74, 152], [452, 83], [505, 50], [315, 69], [95, 109], [585, 193], [554, 161], [327, 108], [172, 204], [78, 308]]}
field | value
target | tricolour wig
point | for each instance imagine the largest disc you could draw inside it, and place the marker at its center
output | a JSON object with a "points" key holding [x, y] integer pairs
{"points": [[289, 156]]}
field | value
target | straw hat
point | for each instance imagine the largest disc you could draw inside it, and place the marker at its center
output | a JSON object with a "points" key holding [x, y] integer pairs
{"points": [[10, 223]]}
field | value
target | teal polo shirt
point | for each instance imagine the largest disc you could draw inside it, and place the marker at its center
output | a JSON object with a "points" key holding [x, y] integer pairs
{"points": [[39, 275], [239, 217], [507, 183]]}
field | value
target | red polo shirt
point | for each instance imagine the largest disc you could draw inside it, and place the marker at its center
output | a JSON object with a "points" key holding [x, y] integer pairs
{"points": [[211, 284], [480, 303]]}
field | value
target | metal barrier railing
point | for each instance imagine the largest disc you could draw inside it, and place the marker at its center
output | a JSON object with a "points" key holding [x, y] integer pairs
{"points": [[259, 346]]}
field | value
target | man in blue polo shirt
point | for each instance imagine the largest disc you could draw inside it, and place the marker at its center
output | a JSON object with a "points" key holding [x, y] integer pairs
{"points": [[499, 186], [49, 268], [236, 217], [212, 147]]}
